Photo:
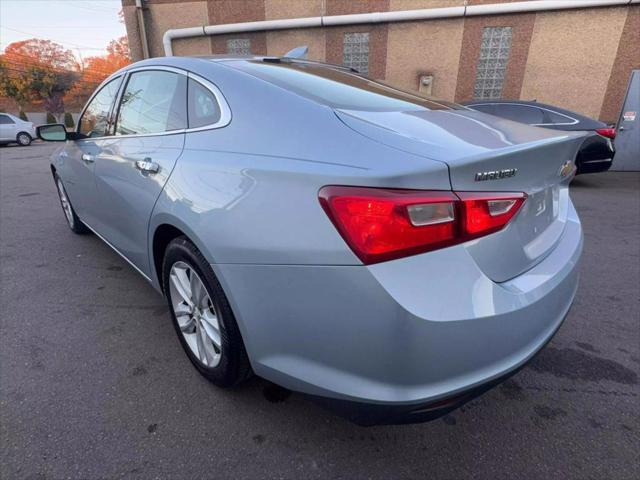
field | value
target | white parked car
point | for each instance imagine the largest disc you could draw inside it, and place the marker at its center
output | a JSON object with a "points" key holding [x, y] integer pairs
{"points": [[15, 130]]}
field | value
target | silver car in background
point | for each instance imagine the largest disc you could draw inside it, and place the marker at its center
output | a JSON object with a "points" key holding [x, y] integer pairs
{"points": [[390, 255], [15, 130]]}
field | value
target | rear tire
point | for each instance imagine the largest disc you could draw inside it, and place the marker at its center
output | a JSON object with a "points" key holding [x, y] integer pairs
{"points": [[75, 224], [23, 139], [203, 319]]}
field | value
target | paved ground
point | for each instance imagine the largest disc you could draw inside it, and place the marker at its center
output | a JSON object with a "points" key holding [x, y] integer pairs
{"points": [[94, 383]]}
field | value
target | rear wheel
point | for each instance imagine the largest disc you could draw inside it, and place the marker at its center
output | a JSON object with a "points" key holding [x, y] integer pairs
{"points": [[202, 316], [75, 224], [23, 139]]}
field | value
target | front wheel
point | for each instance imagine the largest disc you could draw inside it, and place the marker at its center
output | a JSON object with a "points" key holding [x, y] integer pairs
{"points": [[202, 316], [23, 139], [75, 224]]}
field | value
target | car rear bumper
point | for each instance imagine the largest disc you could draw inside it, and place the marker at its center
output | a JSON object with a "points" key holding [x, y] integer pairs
{"points": [[594, 166], [401, 334]]}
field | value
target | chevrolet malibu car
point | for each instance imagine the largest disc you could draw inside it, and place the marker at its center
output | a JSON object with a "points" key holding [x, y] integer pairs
{"points": [[597, 150], [389, 255], [15, 130]]}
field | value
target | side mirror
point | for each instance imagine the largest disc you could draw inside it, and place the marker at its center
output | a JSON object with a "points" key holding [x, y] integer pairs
{"points": [[55, 132]]}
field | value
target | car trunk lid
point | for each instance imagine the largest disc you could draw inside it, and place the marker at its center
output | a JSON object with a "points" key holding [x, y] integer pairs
{"points": [[490, 154]]}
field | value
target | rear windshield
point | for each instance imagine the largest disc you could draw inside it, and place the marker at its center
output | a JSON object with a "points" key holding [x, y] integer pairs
{"points": [[339, 88]]}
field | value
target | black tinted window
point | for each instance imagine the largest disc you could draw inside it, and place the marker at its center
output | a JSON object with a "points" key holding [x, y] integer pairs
{"points": [[339, 88], [6, 120], [483, 108], [95, 120], [153, 102], [557, 117], [203, 106], [519, 113]]}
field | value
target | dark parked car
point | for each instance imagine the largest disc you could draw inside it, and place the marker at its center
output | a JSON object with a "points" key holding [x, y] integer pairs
{"points": [[596, 153]]}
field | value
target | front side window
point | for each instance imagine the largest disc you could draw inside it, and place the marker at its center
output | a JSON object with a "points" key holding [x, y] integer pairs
{"points": [[355, 51], [203, 106], [95, 119], [6, 120], [153, 101]]}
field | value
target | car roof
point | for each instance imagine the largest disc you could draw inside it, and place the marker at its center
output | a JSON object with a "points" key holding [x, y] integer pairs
{"points": [[228, 58]]}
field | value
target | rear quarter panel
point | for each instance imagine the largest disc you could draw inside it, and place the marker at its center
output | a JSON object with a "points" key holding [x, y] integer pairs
{"points": [[248, 192]]}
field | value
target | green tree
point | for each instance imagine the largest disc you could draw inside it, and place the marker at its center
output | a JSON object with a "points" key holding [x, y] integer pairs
{"points": [[23, 116], [51, 118], [15, 86]]}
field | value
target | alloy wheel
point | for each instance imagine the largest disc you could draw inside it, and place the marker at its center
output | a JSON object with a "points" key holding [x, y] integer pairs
{"points": [[195, 313], [24, 139]]}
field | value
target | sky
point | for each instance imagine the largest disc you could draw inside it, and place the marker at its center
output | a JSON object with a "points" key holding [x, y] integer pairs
{"points": [[84, 26]]}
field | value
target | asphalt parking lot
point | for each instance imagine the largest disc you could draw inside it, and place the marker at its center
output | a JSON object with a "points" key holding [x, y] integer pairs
{"points": [[94, 384]]}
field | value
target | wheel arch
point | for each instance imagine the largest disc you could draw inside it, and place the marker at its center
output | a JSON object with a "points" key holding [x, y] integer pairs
{"points": [[20, 132], [165, 228], [162, 232], [162, 236]]}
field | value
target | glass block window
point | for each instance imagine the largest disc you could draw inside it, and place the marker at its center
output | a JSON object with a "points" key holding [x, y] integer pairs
{"points": [[492, 64], [355, 51], [239, 46]]}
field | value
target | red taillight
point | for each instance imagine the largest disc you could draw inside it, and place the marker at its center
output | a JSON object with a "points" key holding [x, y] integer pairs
{"points": [[607, 132], [383, 224], [485, 213]]}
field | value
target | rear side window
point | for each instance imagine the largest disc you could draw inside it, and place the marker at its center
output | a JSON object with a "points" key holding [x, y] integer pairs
{"points": [[153, 101], [519, 113], [95, 119], [203, 106]]}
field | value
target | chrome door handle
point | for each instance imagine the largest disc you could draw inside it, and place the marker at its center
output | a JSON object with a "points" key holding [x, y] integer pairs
{"points": [[147, 165], [86, 158]]}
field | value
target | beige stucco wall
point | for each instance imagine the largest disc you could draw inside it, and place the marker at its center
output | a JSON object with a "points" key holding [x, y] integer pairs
{"points": [[428, 46], [163, 16], [569, 64], [280, 42], [274, 9]]}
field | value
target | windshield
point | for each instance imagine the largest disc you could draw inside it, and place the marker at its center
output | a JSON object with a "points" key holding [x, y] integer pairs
{"points": [[338, 88]]}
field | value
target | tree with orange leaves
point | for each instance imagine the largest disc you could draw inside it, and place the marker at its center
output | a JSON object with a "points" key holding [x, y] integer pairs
{"points": [[37, 70], [117, 57], [95, 69], [43, 53]]}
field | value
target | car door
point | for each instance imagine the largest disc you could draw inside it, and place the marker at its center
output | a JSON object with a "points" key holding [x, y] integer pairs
{"points": [[7, 128], [78, 158], [137, 160]]}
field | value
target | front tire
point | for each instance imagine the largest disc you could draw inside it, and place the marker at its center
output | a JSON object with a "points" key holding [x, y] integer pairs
{"points": [[202, 317], [75, 224], [23, 139]]}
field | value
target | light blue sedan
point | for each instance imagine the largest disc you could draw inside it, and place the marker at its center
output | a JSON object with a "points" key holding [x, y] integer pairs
{"points": [[386, 253]]}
